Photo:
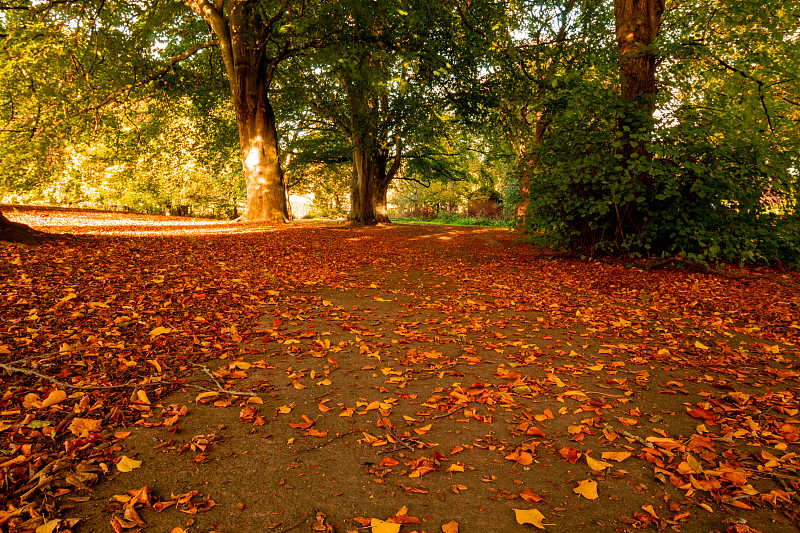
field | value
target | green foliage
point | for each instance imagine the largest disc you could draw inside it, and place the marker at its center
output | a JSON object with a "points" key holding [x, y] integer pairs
{"points": [[707, 193], [718, 179]]}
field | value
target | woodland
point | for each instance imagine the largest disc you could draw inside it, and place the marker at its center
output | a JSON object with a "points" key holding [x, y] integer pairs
{"points": [[654, 128], [620, 355]]}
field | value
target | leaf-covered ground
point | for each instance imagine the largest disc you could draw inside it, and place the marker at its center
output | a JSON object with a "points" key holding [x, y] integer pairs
{"points": [[170, 374]]}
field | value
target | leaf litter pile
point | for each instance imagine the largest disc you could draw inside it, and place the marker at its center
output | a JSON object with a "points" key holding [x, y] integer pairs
{"points": [[181, 375]]}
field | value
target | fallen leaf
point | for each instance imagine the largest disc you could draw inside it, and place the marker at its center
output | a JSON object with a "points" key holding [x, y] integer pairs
{"points": [[380, 526], [126, 464], [450, 527], [529, 516], [596, 465], [55, 397], [586, 488]]}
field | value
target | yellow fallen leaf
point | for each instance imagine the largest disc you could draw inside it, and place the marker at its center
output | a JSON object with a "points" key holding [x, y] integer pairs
{"points": [[206, 397], [456, 467], [529, 516], [698, 344], [450, 527], [594, 464], [256, 400], [57, 396], [160, 330], [126, 464], [49, 526], [285, 409], [586, 488], [379, 526]]}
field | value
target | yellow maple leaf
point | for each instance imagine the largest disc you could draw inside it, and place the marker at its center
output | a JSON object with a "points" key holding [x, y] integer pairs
{"points": [[586, 488], [529, 516]]}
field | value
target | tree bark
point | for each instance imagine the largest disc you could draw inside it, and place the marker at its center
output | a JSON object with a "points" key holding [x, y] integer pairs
{"points": [[355, 197], [637, 24], [243, 35], [21, 233]]}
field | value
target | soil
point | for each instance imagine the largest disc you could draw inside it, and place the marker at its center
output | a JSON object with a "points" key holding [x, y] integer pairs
{"points": [[460, 374]]}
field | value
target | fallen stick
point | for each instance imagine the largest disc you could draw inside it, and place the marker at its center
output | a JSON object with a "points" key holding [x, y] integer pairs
{"points": [[220, 388]]}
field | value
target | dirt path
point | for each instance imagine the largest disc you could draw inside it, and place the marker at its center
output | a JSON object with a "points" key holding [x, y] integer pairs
{"points": [[451, 373]]}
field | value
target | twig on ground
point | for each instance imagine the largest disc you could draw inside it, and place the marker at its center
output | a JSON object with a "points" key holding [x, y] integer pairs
{"points": [[13, 369], [303, 519], [627, 434], [448, 413], [220, 388]]}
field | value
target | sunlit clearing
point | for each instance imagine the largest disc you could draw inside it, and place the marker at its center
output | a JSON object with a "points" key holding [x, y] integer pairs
{"points": [[129, 224]]}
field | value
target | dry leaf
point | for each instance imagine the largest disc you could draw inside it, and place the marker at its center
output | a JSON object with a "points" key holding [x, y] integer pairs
{"points": [[529, 516], [379, 526], [126, 464], [596, 465], [57, 396], [450, 527], [587, 488]]}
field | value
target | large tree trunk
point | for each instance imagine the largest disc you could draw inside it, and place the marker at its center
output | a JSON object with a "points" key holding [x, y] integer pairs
{"points": [[16, 232], [366, 165], [540, 129], [637, 23], [355, 196], [266, 196], [372, 178], [243, 34]]}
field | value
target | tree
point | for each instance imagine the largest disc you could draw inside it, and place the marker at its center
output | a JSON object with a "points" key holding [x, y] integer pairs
{"points": [[254, 38]]}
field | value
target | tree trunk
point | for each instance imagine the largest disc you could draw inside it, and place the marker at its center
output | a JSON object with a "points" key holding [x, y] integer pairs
{"points": [[243, 35], [524, 186], [16, 232], [366, 167], [355, 196], [258, 138], [380, 200], [637, 24]]}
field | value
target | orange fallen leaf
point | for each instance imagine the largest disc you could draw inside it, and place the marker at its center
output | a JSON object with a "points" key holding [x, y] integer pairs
{"points": [[616, 456], [450, 527], [529, 496], [55, 397], [650, 510]]}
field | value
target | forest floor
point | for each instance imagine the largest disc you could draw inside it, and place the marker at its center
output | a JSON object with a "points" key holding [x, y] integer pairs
{"points": [[178, 375]]}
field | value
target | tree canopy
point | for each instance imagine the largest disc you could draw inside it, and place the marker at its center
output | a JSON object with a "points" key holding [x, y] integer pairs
{"points": [[648, 127]]}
